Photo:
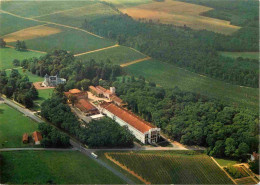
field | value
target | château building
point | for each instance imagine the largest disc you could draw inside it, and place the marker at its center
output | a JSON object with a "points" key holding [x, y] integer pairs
{"points": [[52, 81]]}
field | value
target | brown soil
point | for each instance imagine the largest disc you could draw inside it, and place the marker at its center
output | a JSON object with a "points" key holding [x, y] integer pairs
{"points": [[37, 85]]}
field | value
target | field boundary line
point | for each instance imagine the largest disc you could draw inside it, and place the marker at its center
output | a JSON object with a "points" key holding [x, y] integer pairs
{"points": [[29, 49], [24, 30], [135, 61], [47, 22], [93, 51], [127, 169], [223, 170]]}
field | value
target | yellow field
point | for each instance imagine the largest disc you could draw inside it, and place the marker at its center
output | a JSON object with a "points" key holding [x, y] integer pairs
{"points": [[180, 13], [31, 33]]}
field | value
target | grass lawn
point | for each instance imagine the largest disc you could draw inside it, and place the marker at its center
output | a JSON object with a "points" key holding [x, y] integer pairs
{"points": [[69, 39], [168, 76], [32, 77], [250, 55], [9, 23], [38, 8], [7, 55], [42, 167], [118, 55], [13, 125], [43, 95], [172, 167], [75, 17], [225, 162]]}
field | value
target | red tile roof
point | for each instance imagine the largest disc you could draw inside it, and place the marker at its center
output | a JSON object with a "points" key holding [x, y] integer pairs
{"points": [[74, 91], [116, 99], [85, 105], [128, 117], [95, 89], [101, 88], [25, 137], [37, 136]]}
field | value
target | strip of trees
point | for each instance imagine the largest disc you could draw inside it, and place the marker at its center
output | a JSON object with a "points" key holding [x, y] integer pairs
{"points": [[194, 50], [18, 87]]}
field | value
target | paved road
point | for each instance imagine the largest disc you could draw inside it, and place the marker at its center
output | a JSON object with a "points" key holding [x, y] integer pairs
{"points": [[23, 110], [87, 152]]}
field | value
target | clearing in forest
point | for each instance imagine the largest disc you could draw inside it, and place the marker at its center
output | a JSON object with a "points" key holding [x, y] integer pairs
{"points": [[171, 167], [180, 14]]}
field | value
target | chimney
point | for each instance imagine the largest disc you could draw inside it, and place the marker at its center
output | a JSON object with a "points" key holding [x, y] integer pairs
{"points": [[113, 90]]}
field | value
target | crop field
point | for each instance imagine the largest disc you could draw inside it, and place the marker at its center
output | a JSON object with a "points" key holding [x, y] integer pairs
{"points": [[16, 23], [168, 76], [117, 55], [50, 167], [31, 33], [127, 3], [39, 8], [225, 162], [180, 14], [75, 17], [250, 55], [72, 40], [7, 55], [13, 125], [172, 167]]}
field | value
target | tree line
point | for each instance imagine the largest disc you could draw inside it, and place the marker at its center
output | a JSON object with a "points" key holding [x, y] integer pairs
{"points": [[18, 87], [194, 50], [193, 119]]}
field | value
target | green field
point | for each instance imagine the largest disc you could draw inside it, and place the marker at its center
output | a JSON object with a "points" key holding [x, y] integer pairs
{"points": [[9, 23], [75, 17], [32, 77], [49, 167], [117, 55], [44, 94], [250, 55], [169, 76], [13, 125], [7, 55], [225, 162], [72, 40], [39, 8], [173, 167]]}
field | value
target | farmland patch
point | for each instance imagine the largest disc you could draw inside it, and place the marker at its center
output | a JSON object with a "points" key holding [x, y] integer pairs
{"points": [[180, 14], [171, 168], [31, 33], [169, 76], [250, 55]]}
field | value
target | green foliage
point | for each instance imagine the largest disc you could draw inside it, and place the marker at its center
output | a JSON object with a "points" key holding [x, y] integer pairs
{"points": [[254, 166], [16, 62], [20, 46], [194, 119], [233, 172], [2, 43], [171, 167], [52, 137]]}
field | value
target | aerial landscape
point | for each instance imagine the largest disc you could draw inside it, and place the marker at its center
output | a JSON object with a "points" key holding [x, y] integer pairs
{"points": [[129, 92]]}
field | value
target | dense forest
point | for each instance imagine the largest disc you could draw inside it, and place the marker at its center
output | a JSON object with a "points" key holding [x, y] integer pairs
{"points": [[196, 51], [193, 119], [79, 74], [18, 87], [102, 133]]}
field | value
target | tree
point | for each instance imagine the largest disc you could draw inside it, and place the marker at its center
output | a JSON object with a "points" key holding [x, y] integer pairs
{"points": [[16, 62], [254, 166], [33, 92], [2, 43], [23, 46], [72, 99], [230, 147], [85, 84], [18, 45], [242, 150]]}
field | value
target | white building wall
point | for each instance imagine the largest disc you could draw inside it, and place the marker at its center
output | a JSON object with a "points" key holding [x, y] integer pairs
{"points": [[139, 135]]}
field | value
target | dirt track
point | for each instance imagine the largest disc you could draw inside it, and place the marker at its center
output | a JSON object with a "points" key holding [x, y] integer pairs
{"points": [[96, 50], [37, 85], [135, 61]]}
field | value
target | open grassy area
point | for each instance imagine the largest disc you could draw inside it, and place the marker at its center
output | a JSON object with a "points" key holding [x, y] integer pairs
{"points": [[9, 23], [225, 162], [43, 167], [76, 17], [39, 8], [32, 77], [169, 76], [180, 14], [44, 94], [7, 55], [72, 40], [117, 55], [13, 125], [172, 167], [251, 55]]}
